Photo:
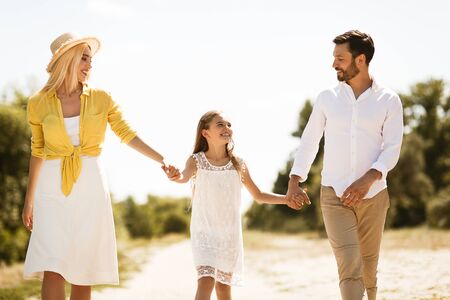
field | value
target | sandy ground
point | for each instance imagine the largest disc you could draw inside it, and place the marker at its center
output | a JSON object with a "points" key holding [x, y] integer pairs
{"points": [[292, 267]]}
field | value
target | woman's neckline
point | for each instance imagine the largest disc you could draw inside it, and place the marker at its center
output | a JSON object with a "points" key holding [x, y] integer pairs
{"points": [[71, 117]]}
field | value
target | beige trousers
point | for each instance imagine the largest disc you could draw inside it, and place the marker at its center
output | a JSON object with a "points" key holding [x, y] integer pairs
{"points": [[355, 236]]}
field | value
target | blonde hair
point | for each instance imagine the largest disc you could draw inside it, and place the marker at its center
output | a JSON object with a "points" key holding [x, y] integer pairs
{"points": [[65, 70], [201, 144]]}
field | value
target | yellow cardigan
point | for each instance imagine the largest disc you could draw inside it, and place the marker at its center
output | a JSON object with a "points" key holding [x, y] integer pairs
{"points": [[49, 138]]}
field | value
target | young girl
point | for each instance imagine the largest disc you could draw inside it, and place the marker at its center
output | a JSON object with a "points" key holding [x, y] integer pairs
{"points": [[216, 232]]}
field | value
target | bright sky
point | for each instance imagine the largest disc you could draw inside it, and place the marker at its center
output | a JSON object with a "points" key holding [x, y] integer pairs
{"points": [[166, 62]]}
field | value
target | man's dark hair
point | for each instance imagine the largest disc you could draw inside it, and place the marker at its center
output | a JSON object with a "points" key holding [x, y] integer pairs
{"points": [[358, 43]]}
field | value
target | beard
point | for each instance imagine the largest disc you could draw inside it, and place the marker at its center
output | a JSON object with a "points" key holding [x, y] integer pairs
{"points": [[348, 73]]}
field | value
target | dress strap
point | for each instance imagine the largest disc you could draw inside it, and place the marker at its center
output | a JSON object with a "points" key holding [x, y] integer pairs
{"points": [[196, 157]]}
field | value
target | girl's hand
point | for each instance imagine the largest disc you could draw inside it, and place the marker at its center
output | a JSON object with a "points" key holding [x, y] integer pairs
{"points": [[294, 203], [27, 216]]}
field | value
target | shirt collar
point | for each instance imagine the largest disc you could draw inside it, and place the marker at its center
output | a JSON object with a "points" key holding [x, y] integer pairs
{"points": [[85, 90], [375, 87]]}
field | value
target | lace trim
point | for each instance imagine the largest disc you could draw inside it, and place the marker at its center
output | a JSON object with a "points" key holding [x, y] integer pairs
{"points": [[220, 276], [203, 163]]}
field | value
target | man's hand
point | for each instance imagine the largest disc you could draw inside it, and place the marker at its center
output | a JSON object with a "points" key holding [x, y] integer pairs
{"points": [[356, 192]]}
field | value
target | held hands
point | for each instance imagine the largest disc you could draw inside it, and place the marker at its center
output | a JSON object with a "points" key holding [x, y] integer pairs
{"points": [[296, 197], [172, 172], [296, 200]]}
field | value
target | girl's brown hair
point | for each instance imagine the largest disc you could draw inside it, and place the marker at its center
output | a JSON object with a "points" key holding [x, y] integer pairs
{"points": [[201, 144]]}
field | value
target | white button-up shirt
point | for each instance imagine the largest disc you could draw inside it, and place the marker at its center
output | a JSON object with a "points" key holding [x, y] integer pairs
{"points": [[360, 134]]}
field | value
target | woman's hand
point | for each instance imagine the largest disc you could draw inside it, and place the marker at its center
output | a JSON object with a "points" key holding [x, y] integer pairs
{"points": [[27, 216], [172, 172]]}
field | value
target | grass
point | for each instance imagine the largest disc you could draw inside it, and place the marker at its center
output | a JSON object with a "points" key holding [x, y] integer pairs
{"points": [[416, 238], [132, 254]]}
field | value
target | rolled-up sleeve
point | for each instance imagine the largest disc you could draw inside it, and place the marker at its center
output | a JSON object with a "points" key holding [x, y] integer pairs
{"points": [[120, 126], [392, 138], [37, 135]]}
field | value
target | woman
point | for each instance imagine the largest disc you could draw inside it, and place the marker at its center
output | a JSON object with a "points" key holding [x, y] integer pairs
{"points": [[67, 204]]}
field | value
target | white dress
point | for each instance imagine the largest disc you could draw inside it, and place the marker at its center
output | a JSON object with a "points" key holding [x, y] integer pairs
{"points": [[216, 231], [74, 235]]}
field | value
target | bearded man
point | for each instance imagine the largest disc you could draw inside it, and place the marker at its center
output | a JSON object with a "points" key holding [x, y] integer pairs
{"points": [[363, 125]]}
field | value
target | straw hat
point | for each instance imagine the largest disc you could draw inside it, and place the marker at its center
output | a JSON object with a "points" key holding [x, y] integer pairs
{"points": [[68, 40]]}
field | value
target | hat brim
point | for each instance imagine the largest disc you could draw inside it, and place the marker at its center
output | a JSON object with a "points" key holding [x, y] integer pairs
{"points": [[93, 43]]}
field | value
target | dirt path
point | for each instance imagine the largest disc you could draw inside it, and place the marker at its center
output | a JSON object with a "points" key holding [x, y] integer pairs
{"points": [[170, 274], [291, 268]]}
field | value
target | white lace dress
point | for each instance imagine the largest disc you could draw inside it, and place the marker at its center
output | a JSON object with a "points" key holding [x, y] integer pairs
{"points": [[216, 231]]}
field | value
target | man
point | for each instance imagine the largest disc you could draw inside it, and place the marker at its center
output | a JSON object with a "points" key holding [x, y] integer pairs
{"points": [[363, 125]]}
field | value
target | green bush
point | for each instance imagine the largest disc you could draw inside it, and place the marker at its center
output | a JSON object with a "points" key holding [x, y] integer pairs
{"points": [[168, 214], [119, 220], [137, 220], [438, 210], [12, 244], [157, 217], [175, 223], [14, 158], [11, 294]]}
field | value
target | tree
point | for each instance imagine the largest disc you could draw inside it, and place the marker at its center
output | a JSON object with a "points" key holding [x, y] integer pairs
{"points": [[281, 217], [427, 113], [14, 159], [438, 210], [409, 186]]}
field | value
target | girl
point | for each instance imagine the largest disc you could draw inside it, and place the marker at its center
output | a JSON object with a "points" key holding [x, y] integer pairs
{"points": [[67, 204], [216, 232]]}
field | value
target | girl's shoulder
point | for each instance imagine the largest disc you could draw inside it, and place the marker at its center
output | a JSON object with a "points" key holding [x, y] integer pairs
{"points": [[191, 161], [199, 159]]}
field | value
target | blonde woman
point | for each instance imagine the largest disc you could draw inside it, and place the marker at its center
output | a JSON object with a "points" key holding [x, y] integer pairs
{"points": [[67, 204]]}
